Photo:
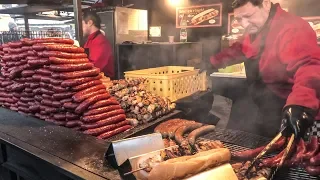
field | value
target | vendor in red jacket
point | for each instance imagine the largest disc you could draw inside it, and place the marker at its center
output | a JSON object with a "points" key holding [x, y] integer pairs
{"points": [[282, 61], [100, 51]]}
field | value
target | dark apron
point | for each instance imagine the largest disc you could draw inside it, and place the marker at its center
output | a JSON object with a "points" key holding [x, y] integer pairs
{"points": [[269, 104]]}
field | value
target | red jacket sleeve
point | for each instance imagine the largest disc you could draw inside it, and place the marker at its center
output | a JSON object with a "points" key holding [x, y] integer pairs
{"points": [[298, 51], [100, 54], [228, 56]]}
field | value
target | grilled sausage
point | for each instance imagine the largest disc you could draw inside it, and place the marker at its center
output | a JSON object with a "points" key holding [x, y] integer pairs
{"points": [[86, 103], [64, 95], [312, 148], [199, 132], [313, 170], [250, 154], [183, 129], [74, 123], [70, 105]]}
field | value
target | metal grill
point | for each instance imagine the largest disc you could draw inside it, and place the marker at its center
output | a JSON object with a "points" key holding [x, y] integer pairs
{"points": [[239, 141], [9, 36]]}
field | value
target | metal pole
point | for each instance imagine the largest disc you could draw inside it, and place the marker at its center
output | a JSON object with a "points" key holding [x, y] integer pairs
{"points": [[78, 20], [26, 26]]}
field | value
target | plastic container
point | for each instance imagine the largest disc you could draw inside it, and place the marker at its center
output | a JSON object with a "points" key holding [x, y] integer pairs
{"points": [[174, 82]]}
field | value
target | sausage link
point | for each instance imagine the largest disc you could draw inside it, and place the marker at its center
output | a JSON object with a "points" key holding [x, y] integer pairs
{"points": [[23, 109], [28, 90], [87, 85], [66, 100], [38, 62], [64, 95], [70, 105], [60, 116], [104, 122], [183, 129], [34, 108], [38, 98], [26, 99], [198, 132], [55, 60], [79, 74], [71, 67], [56, 104], [45, 79], [57, 89], [52, 40], [74, 123], [104, 129], [47, 92], [86, 103], [63, 54], [32, 57], [29, 95], [18, 87], [72, 116], [14, 73], [17, 44], [56, 82], [22, 104], [37, 77], [64, 48], [6, 83], [31, 53], [98, 117], [46, 102], [78, 81], [44, 72], [84, 94], [102, 110], [102, 103], [114, 132], [27, 73], [44, 85]]}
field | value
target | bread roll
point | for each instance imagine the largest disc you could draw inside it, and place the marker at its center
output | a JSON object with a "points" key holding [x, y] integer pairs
{"points": [[181, 167]]}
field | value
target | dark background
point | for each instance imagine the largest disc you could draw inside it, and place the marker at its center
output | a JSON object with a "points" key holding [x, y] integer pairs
{"points": [[162, 14]]}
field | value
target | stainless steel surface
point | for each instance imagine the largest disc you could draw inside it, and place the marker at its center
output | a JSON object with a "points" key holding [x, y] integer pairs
{"points": [[126, 148]]}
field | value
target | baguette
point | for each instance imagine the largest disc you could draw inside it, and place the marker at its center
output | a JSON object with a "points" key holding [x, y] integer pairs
{"points": [[204, 16], [182, 167]]}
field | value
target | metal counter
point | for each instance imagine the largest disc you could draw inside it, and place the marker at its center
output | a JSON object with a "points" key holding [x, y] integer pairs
{"points": [[32, 149]]}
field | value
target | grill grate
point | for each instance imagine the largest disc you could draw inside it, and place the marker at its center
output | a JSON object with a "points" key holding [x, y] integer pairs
{"points": [[239, 141]]}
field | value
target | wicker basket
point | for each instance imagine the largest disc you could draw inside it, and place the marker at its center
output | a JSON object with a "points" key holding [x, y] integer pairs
{"points": [[174, 82]]}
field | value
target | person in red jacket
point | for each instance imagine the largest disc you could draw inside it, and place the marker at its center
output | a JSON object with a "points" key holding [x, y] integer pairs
{"points": [[282, 62], [100, 51]]}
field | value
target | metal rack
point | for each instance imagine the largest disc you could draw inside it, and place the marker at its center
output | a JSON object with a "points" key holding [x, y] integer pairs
{"points": [[9, 36]]}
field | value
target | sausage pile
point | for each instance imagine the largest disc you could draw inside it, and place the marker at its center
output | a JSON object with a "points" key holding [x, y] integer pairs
{"points": [[303, 154], [185, 133], [53, 80], [138, 103]]}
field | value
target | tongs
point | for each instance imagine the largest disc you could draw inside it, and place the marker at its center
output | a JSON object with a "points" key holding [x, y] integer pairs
{"points": [[267, 148]]}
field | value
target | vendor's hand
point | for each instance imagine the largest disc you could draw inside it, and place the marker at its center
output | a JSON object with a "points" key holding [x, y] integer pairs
{"points": [[207, 67], [297, 119]]}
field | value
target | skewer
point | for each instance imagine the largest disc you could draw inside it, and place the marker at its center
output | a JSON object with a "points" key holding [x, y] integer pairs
{"points": [[128, 173]]}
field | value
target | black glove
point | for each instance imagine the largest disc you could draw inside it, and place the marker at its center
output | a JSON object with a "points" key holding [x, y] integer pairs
{"points": [[204, 66], [297, 119]]}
